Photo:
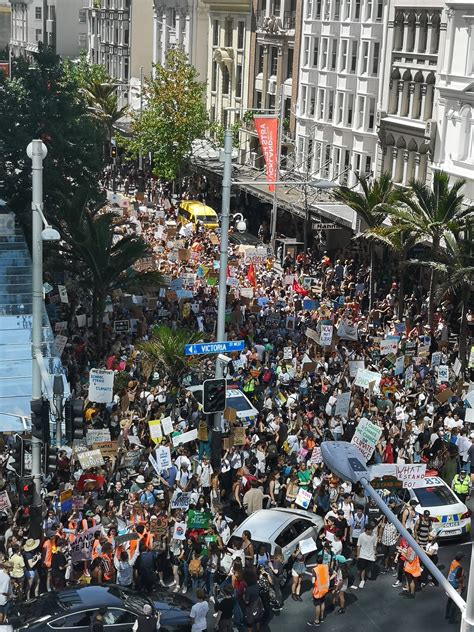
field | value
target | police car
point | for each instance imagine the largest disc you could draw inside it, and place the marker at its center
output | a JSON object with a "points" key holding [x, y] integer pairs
{"points": [[450, 517]]}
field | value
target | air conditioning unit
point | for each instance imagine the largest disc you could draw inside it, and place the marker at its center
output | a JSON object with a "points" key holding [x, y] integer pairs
{"points": [[272, 86]]}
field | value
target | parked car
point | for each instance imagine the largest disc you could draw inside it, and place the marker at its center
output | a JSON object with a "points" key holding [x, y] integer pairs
{"points": [[73, 609], [278, 527]]}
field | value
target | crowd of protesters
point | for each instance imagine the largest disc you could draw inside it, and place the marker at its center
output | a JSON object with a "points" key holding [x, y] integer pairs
{"points": [[169, 528]]}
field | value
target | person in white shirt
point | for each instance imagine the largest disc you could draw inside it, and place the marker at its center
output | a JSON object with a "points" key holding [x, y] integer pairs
{"points": [[5, 591], [199, 612], [204, 473], [366, 554]]}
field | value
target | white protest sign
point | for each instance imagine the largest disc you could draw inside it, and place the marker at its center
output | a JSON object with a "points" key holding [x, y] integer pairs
{"points": [[155, 429], [316, 456], [354, 365], [60, 342], [287, 353], [181, 500], [179, 532], [411, 475], [342, 404], [81, 547], [63, 294], [163, 457], [167, 425], [399, 365], [325, 337], [347, 331], [366, 436], [457, 367], [364, 378], [303, 498], [97, 436], [154, 464], [388, 346], [186, 437], [307, 546], [469, 418], [90, 458], [443, 373], [101, 386], [81, 320], [4, 501]]}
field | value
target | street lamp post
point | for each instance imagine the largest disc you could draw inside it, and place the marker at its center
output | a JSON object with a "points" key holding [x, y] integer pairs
{"points": [[346, 461]]}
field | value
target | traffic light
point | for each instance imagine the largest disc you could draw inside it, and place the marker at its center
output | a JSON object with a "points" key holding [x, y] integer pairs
{"points": [[25, 488], [50, 459], [113, 151], [40, 419], [74, 417], [18, 455], [213, 398]]}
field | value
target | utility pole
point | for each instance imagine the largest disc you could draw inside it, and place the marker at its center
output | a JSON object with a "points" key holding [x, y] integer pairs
{"points": [[140, 156], [37, 151], [58, 391], [223, 257], [274, 216]]}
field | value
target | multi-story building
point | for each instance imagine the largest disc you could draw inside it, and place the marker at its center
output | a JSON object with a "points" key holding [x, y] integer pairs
{"points": [[60, 24], [454, 95], [341, 51], [183, 23], [120, 34], [5, 23], [228, 67], [408, 110]]}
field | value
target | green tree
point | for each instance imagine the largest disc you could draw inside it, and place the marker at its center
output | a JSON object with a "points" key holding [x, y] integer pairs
{"points": [[372, 203], [427, 213], [174, 115], [42, 101]]}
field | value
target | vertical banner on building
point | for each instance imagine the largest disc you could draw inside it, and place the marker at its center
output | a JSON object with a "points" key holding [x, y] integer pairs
{"points": [[267, 130]]}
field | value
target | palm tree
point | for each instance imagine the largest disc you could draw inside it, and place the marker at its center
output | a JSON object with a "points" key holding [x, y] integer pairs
{"points": [[427, 213], [165, 349], [454, 267], [102, 101], [372, 204]]}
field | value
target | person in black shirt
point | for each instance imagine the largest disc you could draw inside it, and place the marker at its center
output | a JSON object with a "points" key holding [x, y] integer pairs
{"points": [[226, 610], [58, 567], [342, 526]]}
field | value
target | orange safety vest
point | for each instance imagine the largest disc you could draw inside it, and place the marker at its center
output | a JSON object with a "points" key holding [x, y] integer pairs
{"points": [[321, 581], [47, 553]]}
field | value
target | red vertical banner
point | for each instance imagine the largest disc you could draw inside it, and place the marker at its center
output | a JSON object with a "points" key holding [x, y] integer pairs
{"points": [[267, 130]]}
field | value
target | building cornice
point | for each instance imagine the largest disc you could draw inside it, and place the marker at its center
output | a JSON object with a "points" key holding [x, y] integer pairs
{"points": [[229, 6]]}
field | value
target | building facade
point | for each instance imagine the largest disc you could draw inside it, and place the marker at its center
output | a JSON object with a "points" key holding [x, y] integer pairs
{"points": [[183, 23], [60, 24], [454, 95], [407, 123], [120, 38], [228, 67], [340, 65]]}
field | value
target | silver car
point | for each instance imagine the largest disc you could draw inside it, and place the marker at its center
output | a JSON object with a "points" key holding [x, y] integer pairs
{"points": [[278, 527]]}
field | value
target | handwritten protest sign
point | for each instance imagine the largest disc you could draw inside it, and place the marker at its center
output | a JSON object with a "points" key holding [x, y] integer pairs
{"points": [[5, 503], [101, 386], [316, 456], [97, 436], [81, 547], [411, 475], [181, 500], [388, 346], [366, 437], [199, 519], [303, 498], [163, 457], [167, 425], [155, 429], [325, 338], [364, 378], [108, 449], [342, 404], [90, 458], [307, 546]]}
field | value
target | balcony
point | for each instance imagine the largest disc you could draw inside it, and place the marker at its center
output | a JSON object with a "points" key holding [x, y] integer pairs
{"points": [[276, 25]]}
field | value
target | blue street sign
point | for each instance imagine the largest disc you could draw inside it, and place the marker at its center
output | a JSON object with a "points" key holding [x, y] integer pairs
{"points": [[214, 347]]}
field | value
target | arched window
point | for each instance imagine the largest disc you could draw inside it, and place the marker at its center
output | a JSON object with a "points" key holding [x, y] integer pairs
{"points": [[466, 142]]}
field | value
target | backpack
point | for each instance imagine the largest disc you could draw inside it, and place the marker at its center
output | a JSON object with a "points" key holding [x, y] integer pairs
{"points": [[254, 612], [267, 376], [195, 568], [272, 450], [453, 577]]}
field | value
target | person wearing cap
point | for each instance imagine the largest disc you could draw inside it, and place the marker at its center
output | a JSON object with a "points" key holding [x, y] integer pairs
{"points": [[461, 486]]}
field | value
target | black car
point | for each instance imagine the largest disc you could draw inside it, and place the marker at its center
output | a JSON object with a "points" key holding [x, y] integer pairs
{"points": [[73, 609]]}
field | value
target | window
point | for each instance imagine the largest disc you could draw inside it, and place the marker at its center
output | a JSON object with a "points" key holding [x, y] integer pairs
{"points": [[354, 55], [126, 37], [360, 112], [117, 616], [240, 35], [340, 108], [368, 10], [225, 80], [334, 54], [82, 40], [312, 101], [357, 10], [330, 105], [38, 13], [215, 33], [336, 162], [356, 164], [322, 94], [364, 65], [289, 64], [371, 122], [434, 496], [347, 9], [324, 53], [82, 16], [286, 537], [304, 92], [315, 51], [375, 59], [306, 50], [368, 165], [300, 526], [273, 61], [327, 160], [258, 100], [75, 620], [337, 9], [317, 157], [344, 47], [309, 155], [276, 7], [238, 80], [318, 9], [260, 60], [229, 32], [350, 109], [214, 76], [309, 9], [38, 35], [213, 113], [379, 10]]}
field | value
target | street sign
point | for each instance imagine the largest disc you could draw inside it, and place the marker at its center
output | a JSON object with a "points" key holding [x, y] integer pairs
{"points": [[325, 226], [214, 347]]}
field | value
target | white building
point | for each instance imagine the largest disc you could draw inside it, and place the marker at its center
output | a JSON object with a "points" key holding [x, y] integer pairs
{"points": [[408, 111], [183, 23], [454, 95], [340, 65], [120, 35], [60, 24]]}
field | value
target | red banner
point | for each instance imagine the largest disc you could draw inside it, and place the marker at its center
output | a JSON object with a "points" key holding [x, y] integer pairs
{"points": [[267, 130]]}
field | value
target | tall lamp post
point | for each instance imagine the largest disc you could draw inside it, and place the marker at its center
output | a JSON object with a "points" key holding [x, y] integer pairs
{"points": [[346, 461]]}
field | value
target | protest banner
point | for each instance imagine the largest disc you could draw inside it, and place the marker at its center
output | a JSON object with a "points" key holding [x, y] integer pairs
{"points": [[185, 437], [97, 435], [366, 437], [108, 449], [364, 378], [163, 457], [198, 519], [343, 402], [388, 346], [179, 532], [181, 500], [81, 548], [303, 498], [411, 475], [155, 430], [5, 503], [90, 458], [354, 365], [101, 386], [167, 425], [65, 499], [325, 338], [443, 373]]}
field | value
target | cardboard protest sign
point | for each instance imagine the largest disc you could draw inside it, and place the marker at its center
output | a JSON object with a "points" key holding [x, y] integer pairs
{"points": [[126, 537], [411, 475], [203, 431], [316, 456], [303, 498], [108, 449], [81, 547], [312, 334], [97, 435], [60, 342], [198, 519], [163, 457], [230, 414], [181, 500], [131, 459], [343, 403], [185, 437], [238, 435], [287, 353], [443, 396], [366, 437], [101, 386], [90, 458]]}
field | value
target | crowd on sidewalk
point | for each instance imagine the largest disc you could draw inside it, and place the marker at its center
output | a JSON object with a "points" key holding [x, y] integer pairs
{"points": [[157, 504]]}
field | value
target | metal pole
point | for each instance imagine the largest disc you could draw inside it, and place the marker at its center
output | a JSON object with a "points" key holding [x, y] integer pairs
{"points": [[274, 216], [37, 152], [434, 570], [140, 157], [467, 622], [225, 214]]}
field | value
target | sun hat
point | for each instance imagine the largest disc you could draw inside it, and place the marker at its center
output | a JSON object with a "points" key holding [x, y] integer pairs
{"points": [[31, 545], [140, 479]]}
